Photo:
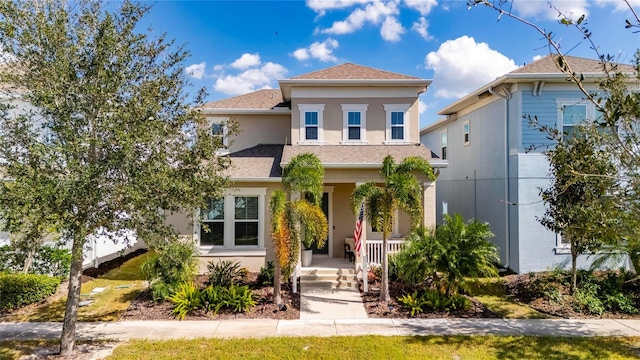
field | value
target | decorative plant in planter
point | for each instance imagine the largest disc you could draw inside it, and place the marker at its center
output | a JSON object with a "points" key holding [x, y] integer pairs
{"points": [[299, 221]]}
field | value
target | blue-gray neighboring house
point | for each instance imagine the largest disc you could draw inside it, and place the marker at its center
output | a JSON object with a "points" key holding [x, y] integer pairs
{"points": [[492, 174]]}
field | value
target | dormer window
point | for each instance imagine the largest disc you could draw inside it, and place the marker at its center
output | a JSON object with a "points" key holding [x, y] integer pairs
{"points": [[397, 123], [311, 131], [354, 128]]}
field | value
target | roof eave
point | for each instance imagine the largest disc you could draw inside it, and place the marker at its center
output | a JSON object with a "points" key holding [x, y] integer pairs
{"points": [[229, 111], [255, 179]]}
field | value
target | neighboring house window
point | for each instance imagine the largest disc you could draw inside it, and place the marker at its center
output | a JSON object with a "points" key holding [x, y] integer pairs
{"points": [[572, 113], [397, 122], [354, 123], [466, 130], [234, 221], [311, 130], [218, 127], [443, 145]]}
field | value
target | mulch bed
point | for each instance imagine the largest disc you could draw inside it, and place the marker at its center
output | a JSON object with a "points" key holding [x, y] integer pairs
{"points": [[144, 308]]}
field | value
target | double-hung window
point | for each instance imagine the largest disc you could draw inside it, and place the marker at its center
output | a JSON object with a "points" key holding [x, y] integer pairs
{"points": [[443, 145], [354, 123], [234, 221], [311, 131], [397, 123], [573, 113]]}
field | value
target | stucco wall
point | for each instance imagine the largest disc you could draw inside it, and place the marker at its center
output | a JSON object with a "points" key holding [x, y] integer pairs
{"points": [[261, 129]]}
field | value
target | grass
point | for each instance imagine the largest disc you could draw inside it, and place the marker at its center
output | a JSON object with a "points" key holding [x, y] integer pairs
{"points": [[121, 286], [491, 293], [384, 347], [13, 350]]}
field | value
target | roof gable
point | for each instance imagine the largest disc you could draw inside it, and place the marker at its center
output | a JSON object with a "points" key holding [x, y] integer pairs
{"points": [[349, 71]]}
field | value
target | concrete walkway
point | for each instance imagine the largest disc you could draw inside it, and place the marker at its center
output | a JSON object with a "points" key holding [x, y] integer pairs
{"points": [[329, 302], [174, 329]]}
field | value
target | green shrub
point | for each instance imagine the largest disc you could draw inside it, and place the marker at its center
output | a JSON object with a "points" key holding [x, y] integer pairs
{"points": [[451, 256], [413, 302], [239, 298], [173, 263], [621, 303], [433, 300], [18, 290], [225, 273], [266, 274], [186, 299], [586, 297], [213, 298]]}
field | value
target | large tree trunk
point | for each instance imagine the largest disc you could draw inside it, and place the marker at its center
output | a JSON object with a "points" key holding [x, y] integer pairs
{"points": [[28, 261], [68, 338], [277, 284], [634, 257], [384, 289]]}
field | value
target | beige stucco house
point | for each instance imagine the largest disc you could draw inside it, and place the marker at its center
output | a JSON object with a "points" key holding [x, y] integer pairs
{"points": [[350, 116]]}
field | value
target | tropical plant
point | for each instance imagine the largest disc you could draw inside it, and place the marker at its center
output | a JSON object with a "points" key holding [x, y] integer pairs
{"points": [[109, 135], [225, 273], [400, 189], [293, 222], [452, 255], [265, 277], [171, 264], [413, 302], [186, 299]]}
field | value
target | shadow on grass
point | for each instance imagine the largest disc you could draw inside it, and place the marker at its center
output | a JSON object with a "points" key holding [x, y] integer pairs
{"points": [[129, 270], [491, 293], [540, 347]]}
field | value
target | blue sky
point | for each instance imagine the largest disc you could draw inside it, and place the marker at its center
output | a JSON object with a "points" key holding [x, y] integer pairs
{"points": [[241, 46]]}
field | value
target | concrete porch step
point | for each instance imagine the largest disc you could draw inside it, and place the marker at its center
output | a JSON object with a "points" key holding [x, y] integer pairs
{"points": [[328, 277], [326, 271], [343, 284]]}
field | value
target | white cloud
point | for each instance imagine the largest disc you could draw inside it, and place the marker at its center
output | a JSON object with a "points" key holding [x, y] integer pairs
{"points": [[422, 106], [196, 71], [218, 67], [250, 79], [537, 57], [246, 61], [541, 9], [391, 29], [372, 13], [321, 6], [322, 51], [421, 27], [423, 6], [462, 65], [619, 5]]}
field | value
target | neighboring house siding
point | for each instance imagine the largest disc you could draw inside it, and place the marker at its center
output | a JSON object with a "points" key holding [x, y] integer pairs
{"points": [[473, 184]]}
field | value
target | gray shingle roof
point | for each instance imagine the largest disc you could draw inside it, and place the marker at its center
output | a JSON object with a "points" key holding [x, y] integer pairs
{"points": [[361, 155], [548, 65], [351, 71], [265, 99], [260, 161]]}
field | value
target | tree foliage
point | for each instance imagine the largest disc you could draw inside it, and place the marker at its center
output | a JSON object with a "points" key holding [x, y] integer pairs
{"points": [[299, 221], [400, 189], [99, 131]]}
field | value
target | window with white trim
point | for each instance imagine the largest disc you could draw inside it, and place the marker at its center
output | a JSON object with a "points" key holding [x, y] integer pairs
{"points": [[235, 221], [376, 234], [443, 145], [573, 112], [397, 122], [466, 131], [219, 129], [354, 123], [311, 122]]}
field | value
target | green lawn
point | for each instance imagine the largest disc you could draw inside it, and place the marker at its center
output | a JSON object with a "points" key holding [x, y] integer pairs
{"points": [[120, 285], [491, 292], [382, 347]]}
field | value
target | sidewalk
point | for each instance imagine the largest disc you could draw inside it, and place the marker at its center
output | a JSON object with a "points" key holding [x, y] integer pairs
{"points": [[159, 330]]}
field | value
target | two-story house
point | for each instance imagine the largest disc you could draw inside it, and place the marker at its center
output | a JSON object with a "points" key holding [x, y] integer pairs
{"points": [[496, 161], [349, 116]]}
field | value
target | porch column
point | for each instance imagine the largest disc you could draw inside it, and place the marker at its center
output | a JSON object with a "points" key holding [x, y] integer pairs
{"points": [[429, 204]]}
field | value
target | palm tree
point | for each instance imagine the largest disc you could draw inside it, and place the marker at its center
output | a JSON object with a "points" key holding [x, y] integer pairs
{"points": [[401, 190], [293, 222]]}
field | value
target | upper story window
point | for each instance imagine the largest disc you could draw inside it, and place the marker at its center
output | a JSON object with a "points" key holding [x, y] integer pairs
{"points": [[466, 131], [572, 113], [218, 126], [443, 145], [311, 130], [354, 128], [397, 123]]}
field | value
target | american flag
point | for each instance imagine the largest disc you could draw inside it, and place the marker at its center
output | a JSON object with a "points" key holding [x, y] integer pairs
{"points": [[357, 233]]}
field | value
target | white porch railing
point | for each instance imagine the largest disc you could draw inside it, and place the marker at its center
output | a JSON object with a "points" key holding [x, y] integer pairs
{"points": [[374, 249]]}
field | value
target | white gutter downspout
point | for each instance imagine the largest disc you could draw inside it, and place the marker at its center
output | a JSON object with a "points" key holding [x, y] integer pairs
{"points": [[506, 95]]}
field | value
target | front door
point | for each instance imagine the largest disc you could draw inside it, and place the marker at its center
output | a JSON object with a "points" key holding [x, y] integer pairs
{"points": [[325, 210]]}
